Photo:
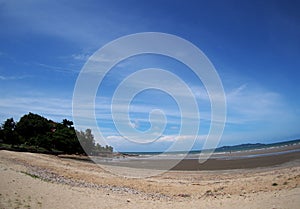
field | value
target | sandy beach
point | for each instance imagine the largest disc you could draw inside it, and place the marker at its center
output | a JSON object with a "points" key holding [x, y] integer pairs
{"points": [[30, 180]]}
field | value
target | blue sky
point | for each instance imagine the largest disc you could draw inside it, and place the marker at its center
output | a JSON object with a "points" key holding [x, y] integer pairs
{"points": [[254, 46]]}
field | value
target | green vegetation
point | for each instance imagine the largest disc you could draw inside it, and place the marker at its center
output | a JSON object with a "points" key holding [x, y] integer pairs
{"points": [[35, 133], [31, 175]]}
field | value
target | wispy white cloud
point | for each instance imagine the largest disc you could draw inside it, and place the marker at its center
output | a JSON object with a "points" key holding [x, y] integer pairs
{"points": [[68, 21], [57, 68], [246, 103], [172, 138], [164, 138], [164, 143], [81, 57], [54, 108], [5, 78]]}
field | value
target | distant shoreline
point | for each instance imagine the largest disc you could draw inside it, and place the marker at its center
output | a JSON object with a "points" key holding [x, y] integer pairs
{"points": [[218, 161], [233, 148], [264, 156]]}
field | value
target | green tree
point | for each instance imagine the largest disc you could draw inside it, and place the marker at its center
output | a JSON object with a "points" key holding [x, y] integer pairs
{"points": [[86, 140], [31, 127], [39, 132], [1, 134], [8, 131], [64, 138], [67, 123]]}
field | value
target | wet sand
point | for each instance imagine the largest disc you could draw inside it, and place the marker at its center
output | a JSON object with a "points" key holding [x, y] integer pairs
{"points": [[239, 163], [223, 161]]}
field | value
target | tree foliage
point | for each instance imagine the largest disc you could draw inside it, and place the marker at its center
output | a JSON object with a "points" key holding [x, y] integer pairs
{"points": [[8, 132], [37, 131]]}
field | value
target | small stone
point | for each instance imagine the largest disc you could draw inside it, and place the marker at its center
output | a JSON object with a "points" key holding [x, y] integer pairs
{"points": [[184, 195]]}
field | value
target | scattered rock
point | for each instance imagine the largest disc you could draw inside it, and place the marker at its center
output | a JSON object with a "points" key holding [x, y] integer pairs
{"points": [[184, 195], [49, 176], [208, 193]]}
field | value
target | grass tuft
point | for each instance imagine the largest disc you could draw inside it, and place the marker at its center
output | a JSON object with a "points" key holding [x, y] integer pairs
{"points": [[31, 175]]}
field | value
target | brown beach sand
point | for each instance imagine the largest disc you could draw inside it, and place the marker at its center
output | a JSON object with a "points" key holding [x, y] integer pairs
{"points": [[43, 181]]}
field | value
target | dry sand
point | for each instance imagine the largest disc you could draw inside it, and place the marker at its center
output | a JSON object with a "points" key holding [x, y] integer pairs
{"points": [[43, 181]]}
